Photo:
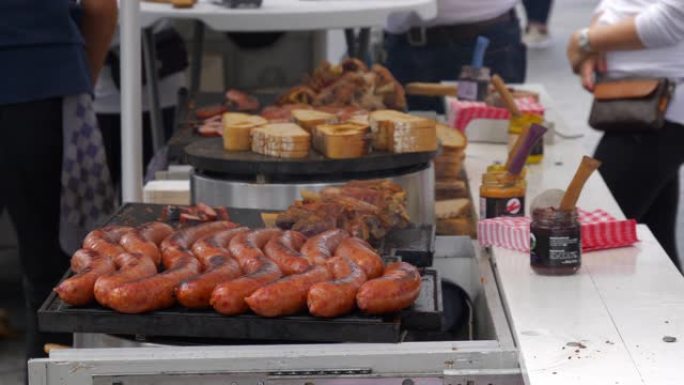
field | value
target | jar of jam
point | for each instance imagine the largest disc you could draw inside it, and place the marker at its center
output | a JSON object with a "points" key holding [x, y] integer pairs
{"points": [[502, 195], [473, 83], [555, 243], [517, 125]]}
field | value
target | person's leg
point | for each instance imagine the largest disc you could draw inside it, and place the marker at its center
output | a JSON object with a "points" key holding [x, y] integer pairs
{"points": [[537, 30], [538, 11], [507, 55], [110, 126], [662, 216], [30, 167], [640, 171]]}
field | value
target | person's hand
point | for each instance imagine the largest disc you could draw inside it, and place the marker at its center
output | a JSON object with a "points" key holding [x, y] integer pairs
{"points": [[576, 56], [589, 68]]}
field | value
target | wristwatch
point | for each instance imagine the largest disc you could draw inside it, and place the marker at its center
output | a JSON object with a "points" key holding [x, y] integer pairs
{"points": [[583, 41]]}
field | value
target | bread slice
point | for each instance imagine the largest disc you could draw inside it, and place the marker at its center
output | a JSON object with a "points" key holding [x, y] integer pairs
{"points": [[451, 138], [456, 226], [398, 132], [342, 141], [452, 208], [380, 122], [431, 89], [309, 119], [450, 190], [283, 140], [237, 128]]}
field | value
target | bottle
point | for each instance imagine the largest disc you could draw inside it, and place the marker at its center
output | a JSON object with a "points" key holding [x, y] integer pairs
{"points": [[555, 242], [473, 82]]}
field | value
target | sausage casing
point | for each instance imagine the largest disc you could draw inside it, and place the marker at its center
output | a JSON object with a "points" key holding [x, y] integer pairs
{"points": [[337, 297], [146, 239], [361, 253], [105, 241], [284, 251], [155, 292], [179, 243], [229, 297], [131, 267], [218, 266], [78, 290], [319, 248], [286, 296], [246, 248], [397, 289], [215, 244]]}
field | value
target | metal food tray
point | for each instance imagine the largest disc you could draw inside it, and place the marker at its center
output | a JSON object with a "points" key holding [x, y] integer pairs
{"points": [[208, 155], [426, 314], [57, 316]]}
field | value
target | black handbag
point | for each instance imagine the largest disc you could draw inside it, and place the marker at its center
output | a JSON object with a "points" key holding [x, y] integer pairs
{"points": [[630, 105]]}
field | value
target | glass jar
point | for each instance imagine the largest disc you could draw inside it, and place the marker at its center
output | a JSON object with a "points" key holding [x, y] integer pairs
{"points": [[473, 83], [555, 242], [502, 195], [517, 125]]}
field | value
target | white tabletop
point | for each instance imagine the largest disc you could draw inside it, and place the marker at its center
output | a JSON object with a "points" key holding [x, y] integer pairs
{"points": [[291, 15], [619, 306]]}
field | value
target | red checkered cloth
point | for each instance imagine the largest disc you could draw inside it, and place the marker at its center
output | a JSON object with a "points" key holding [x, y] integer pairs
{"points": [[599, 231], [461, 113]]}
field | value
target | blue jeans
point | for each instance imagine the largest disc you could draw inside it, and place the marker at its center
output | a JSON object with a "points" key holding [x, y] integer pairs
{"points": [[538, 10], [442, 60]]}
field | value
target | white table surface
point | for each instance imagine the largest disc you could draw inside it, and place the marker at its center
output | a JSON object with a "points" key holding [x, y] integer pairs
{"points": [[291, 15], [619, 305]]}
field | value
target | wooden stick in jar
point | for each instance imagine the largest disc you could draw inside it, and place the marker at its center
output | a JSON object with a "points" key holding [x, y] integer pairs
{"points": [[506, 95], [584, 171]]}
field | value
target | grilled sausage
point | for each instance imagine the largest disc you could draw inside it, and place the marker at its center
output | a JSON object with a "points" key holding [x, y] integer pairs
{"points": [[218, 266], [286, 296], [105, 241], [284, 251], [246, 248], [363, 255], [155, 292], [215, 244], [78, 290], [337, 297], [146, 239], [229, 297], [179, 243], [397, 289], [131, 267], [321, 247]]}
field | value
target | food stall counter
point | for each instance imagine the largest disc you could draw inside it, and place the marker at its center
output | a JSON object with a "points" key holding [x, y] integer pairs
{"points": [[619, 320]]}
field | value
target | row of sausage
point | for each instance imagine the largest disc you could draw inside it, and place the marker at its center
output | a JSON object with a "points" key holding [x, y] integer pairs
{"points": [[233, 269]]}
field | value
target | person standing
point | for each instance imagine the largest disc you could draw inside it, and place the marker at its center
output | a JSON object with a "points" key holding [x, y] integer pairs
{"points": [[435, 50], [46, 54], [639, 39], [537, 31]]}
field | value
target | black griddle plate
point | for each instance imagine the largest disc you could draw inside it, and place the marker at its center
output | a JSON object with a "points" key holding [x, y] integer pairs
{"points": [[208, 155], [56, 316]]}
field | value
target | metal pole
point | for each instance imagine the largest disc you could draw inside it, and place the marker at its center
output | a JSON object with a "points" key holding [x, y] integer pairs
{"points": [[196, 63], [156, 122], [131, 114]]}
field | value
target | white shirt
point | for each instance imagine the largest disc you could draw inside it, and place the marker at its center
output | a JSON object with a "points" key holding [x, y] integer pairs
{"points": [[660, 25], [452, 12]]}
